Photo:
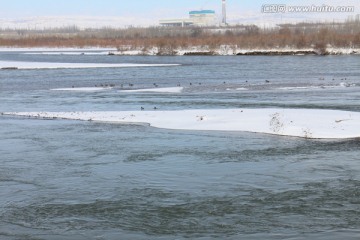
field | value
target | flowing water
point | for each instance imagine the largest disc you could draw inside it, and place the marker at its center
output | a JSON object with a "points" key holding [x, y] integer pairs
{"points": [[62, 179]]}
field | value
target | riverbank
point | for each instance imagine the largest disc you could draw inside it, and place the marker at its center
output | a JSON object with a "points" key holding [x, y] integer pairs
{"points": [[224, 50], [285, 39], [227, 50]]}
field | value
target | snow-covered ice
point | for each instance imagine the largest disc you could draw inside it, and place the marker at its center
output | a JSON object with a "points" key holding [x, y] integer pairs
{"points": [[55, 49], [306, 123], [159, 90], [53, 65]]}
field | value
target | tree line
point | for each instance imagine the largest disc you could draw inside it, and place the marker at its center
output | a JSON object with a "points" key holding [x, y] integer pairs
{"points": [[301, 35]]}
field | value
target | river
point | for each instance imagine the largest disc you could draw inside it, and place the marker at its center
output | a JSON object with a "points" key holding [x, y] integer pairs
{"points": [[65, 179]]}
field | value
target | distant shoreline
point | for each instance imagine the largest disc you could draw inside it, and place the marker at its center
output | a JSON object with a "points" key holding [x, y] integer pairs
{"points": [[193, 51], [231, 51], [335, 38]]}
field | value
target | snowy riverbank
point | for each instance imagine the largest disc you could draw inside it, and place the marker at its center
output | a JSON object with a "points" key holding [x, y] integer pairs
{"points": [[7, 65], [226, 50]]}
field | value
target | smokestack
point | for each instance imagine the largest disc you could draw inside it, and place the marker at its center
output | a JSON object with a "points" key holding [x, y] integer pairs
{"points": [[223, 22]]}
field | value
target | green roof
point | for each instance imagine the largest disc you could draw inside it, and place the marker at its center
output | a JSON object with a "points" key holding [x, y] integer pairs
{"points": [[202, 12]]}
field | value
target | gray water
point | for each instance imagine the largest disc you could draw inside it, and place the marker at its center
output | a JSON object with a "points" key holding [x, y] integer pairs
{"points": [[62, 179]]}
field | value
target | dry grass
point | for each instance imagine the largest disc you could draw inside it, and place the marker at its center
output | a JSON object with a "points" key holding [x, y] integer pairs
{"points": [[316, 35]]}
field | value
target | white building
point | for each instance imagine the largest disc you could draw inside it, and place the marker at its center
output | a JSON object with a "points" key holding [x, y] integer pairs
{"points": [[203, 17], [196, 18]]}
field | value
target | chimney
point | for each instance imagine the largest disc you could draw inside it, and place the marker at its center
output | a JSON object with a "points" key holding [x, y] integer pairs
{"points": [[223, 22]]}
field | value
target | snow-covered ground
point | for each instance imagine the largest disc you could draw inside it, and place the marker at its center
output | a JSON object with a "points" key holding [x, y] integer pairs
{"points": [[306, 123], [68, 53], [52, 65], [230, 50], [48, 50], [151, 51]]}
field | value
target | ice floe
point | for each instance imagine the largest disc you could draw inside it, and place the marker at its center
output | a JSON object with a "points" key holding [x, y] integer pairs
{"points": [[305, 123], [158, 90], [54, 65]]}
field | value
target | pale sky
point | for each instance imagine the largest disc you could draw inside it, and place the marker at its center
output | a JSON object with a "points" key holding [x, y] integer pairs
{"points": [[148, 12], [22, 8]]}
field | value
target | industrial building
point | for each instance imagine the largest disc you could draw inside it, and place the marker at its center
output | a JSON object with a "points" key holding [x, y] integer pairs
{"points": [[203, 17], [197, 18], [176, 22]]}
